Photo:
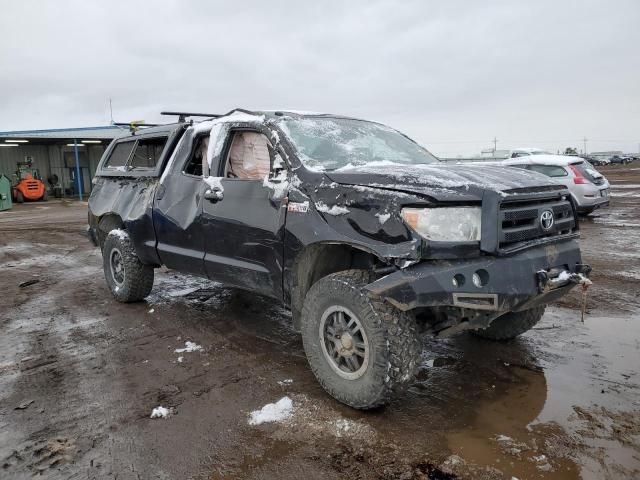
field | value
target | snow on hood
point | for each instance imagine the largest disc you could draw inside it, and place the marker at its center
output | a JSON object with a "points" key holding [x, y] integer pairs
{"points": [[432, 179]]}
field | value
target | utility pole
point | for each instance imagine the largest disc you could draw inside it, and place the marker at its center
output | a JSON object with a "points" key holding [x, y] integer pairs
{"points": [[495, 144], [111, 110], [584, 142]]}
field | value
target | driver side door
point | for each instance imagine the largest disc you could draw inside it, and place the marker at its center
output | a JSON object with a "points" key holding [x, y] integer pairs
{"points": [[244, 213]]}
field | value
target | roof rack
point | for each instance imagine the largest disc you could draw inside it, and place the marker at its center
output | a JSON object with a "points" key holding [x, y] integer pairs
{"points": [[136, 124], [183, 115]]}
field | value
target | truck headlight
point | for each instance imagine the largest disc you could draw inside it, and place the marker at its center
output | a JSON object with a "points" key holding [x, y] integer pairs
{"points": [[447, 224]]}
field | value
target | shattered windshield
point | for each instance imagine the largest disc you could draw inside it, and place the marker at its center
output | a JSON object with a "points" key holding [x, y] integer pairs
{"points": [[333, 143]]}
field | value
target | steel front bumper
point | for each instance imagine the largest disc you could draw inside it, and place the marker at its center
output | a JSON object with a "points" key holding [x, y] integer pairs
{"points": [[517, 282]]}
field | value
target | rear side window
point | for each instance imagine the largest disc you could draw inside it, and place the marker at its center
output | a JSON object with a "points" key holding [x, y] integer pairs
{"points": [[148, 152], [587, 170], [196, 163], [119, 155], [549, 170]]}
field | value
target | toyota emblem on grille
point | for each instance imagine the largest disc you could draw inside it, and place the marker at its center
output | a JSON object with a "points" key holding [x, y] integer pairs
{"points": [[546, 219]]}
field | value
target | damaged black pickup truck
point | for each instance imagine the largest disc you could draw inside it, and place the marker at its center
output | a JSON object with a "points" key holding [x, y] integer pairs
{"points": [[362, 233]]}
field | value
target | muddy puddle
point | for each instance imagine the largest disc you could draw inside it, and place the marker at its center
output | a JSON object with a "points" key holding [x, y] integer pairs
{"points": [[578, 417]]}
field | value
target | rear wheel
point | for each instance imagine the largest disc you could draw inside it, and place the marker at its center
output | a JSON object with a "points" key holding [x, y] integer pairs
{"points": [[362, 350], [512, 324], [129, 279]]}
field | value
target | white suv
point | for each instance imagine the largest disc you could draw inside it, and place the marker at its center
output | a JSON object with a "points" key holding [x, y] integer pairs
{"points": [[589, 188]]}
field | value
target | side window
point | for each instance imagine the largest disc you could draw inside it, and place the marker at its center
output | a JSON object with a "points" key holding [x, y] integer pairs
{"points": [[549, 170], [248, 156], [148, 152], [120, 155], [196, 163]]}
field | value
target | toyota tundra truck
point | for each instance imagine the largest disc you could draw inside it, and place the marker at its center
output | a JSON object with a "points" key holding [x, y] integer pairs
{"points": [[367, 238]]}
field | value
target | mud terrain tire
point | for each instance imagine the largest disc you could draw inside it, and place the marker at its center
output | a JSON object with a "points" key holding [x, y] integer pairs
{"points": [[129, 279], [512, 324], [389, 334]]}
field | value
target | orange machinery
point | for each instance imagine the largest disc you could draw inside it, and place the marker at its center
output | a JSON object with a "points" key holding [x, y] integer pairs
{"points": [[29, 185]]}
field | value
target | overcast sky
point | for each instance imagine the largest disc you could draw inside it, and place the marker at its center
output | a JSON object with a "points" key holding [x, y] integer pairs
{"points": [[450, 74]]}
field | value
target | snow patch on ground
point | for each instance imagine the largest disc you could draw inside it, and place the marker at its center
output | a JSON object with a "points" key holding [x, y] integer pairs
{"points": [[189, 347], [347, 428], [160, 412], [319, 419], [183, 292], [333, 210], [287, 381], [272, 412]]}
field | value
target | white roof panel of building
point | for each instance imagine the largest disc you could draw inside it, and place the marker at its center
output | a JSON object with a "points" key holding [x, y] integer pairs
{"points": [[85, 133]]}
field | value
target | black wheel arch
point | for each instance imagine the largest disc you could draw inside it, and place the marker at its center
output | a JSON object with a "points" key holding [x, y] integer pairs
{"points": [[319, 260], [106, 223]]}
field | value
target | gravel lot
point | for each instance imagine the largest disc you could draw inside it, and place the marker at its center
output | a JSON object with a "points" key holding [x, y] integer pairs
{"points": [[80, 375]]}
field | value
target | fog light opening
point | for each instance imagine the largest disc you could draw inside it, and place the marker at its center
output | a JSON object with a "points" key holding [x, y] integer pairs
{"points": [[458, 280], [480, 278]]}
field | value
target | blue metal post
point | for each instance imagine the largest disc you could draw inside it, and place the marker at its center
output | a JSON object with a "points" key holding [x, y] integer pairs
{"points": [[78, 178]]}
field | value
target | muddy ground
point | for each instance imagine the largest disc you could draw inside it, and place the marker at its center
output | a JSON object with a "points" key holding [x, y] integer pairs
{"points": [[81, 373]]}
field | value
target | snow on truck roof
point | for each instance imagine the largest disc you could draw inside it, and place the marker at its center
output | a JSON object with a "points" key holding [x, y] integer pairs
{"points": [[235, 115]]}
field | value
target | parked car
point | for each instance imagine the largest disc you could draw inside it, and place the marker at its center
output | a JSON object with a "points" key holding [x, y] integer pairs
{"points": [[620, 160], [589, 188], [362, 233], [527, 152], [596, 161]]}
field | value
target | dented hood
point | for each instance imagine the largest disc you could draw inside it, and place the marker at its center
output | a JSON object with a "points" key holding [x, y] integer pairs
{"points": [[442, 182]]}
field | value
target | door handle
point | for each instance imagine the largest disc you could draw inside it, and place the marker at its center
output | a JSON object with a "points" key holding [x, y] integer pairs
{"points": [[213, 195]]}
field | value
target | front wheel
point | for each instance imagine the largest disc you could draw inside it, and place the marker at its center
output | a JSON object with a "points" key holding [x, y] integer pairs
{"points": [[512, 324], [362, 350], [585, 212], [19, 197], [128, 278]]}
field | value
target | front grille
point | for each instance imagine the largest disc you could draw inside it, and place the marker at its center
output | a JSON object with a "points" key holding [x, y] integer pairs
{"points": [[522, 221], [31, 185]]}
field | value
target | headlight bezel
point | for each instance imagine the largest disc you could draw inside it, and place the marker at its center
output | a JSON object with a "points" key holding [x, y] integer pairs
{"points": [[434, 223]]}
